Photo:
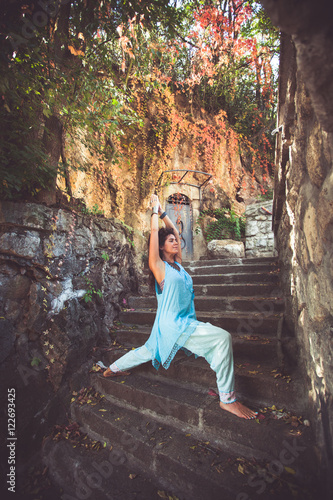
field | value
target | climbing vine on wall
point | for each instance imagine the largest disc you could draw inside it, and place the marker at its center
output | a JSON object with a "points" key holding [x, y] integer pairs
{"points": [[214, 87], [213, 142], [224, 224], [133, 84]]}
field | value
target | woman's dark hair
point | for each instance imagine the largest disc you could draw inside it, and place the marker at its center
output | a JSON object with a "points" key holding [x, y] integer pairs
{"points": [[163, 233]]}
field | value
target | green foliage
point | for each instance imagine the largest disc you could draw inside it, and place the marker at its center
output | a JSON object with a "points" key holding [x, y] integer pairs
{"points": [[68, 68], [93, 211], [105, 256], [24, 163], [129, 230], [91, 291], [239, 87], [83, 68], [227, 224], [35, 361]]}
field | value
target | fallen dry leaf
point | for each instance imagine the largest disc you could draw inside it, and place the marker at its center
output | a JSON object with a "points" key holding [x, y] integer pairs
{"points": [[241, 469], [289, 470]]}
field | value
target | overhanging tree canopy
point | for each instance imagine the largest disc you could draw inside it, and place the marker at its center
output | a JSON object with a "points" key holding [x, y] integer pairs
{"points": [[83, 68]]}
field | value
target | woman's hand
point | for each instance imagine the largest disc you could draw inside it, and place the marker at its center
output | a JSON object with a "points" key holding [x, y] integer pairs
{"points": [[154, 202]]}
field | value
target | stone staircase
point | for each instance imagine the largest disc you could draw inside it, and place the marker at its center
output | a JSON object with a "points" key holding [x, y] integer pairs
{"points": [[167, 426]]}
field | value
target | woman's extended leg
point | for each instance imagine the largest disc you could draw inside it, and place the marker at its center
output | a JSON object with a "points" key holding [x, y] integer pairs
{"points": [[129, 360], [215, 345]]}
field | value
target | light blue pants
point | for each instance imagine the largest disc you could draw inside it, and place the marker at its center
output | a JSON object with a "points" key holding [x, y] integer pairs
{"points": [[209, 341]]}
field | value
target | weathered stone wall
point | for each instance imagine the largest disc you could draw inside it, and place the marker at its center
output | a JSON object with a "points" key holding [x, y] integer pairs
{"points": [[49, 260], [258, 230], [303, 204]]}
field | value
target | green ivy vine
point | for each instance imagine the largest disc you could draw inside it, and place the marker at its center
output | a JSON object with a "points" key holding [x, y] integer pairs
{"points": [[227, 224]]}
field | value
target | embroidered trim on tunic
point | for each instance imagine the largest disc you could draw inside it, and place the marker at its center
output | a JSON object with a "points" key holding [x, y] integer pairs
{"points": [[228, 397], [176, 348]]}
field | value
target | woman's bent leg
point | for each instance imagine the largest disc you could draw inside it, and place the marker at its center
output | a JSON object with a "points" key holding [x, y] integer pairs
{"points": [[215, 345], [130, 360]]}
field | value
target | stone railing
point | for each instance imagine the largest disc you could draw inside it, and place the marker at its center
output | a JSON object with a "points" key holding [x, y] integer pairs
{"points": [[259, 234]]}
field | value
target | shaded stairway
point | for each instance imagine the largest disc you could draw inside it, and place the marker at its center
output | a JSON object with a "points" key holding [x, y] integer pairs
{"points": [[167, 426]]}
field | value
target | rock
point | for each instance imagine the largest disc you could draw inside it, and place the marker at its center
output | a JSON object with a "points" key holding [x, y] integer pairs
{"points": [[19, 288], [251, 228], [261, 217], [84, 241], [218, 249], [310, 228], [29, 215], [7, 339], [23, 244]]}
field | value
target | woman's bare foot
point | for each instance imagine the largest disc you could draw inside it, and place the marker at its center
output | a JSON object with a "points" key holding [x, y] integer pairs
{"points": [[108, 373], [239, 410]]}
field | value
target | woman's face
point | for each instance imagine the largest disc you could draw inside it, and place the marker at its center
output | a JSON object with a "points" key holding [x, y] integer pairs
{"points": [[170, 245]]}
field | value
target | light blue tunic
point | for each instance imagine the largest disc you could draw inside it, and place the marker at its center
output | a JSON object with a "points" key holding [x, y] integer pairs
{"points": [[175, 317]]}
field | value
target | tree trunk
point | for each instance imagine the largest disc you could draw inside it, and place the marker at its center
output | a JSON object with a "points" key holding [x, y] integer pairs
{"points": [[52, 141], [53, 134]]}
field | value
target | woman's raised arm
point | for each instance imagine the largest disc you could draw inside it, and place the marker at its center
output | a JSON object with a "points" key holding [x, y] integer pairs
{"points": [[170, 225], [156, 264]]}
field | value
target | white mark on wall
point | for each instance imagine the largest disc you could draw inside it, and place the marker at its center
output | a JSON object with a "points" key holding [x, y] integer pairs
{"points": [[67, 293]]}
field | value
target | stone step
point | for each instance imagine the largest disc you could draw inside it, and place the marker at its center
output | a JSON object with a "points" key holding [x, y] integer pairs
{"points": [[229, 290], [245, 347], [238, 290], [213, 279], [155, 448], [262, 384], [210, 276], [211, 303], [213, 268], [182, 407], [158, 420], [77, 472], [233, 262], [251, 323], [142, 458], [189, 466]]}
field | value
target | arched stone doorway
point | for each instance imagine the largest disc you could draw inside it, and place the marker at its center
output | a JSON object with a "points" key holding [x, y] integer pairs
{"points": [[178, 207]]}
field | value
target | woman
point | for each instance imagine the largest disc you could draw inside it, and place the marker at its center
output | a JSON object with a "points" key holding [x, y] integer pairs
{"points": [[175, 325]]}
